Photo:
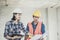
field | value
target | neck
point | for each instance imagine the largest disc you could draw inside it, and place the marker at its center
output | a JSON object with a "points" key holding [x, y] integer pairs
{"points": [[16, 21], [35, 22]]}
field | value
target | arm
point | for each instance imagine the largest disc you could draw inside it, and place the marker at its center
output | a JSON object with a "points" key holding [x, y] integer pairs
{"points": [[43, 28], [6, 32], [23, 28], [8, 37], [27, 29], [43, 32]]}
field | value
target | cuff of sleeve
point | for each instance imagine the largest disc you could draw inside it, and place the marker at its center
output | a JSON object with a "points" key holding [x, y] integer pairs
{"points": [[44, 35]]}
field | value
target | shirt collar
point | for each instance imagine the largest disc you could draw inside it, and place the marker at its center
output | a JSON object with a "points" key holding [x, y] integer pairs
{"points": [[14, 23], [34, 24]]}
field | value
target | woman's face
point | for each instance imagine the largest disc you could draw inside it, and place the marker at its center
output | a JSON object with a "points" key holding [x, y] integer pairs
{"points": [[18, 16]]}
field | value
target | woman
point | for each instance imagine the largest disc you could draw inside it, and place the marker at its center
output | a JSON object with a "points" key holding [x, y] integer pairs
{"points": [[14, 27]]}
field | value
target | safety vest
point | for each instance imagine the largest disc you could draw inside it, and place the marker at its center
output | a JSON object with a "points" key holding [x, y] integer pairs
{"points": [[37, 30]]}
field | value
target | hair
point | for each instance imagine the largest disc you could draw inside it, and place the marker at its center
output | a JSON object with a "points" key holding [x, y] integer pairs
{"points": [[14, 18], [33, 16]]}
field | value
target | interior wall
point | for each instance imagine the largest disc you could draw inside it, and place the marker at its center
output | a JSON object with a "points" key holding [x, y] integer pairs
{"points": [[52, 23], [58, 22]]}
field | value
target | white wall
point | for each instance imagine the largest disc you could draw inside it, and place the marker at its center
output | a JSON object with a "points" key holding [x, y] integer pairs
{"points": [[58, 22], [52, 23]]}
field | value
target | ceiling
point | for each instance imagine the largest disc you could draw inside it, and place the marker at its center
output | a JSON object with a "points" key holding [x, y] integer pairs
{"points": [[31, 3]]}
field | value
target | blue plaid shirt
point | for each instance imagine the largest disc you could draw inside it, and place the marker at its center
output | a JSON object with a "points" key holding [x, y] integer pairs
{"points": [[12, 29]]}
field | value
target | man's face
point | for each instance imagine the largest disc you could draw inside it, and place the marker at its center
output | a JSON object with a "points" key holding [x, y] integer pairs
{"points": [[18, 16], [35, 18]]}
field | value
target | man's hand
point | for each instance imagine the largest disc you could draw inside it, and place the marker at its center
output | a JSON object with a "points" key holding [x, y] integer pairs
{"points": [[30, 35]]}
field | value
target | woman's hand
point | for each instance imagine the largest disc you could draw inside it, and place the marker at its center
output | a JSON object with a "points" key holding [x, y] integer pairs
{"points": [[8, 37], [17, 36]]}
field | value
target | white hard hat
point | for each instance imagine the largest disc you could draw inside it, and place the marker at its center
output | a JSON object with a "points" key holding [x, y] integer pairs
{"points": [[17, 10]]}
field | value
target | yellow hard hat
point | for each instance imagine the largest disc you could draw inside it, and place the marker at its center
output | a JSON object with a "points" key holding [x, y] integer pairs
{"points": [[36, 13]]}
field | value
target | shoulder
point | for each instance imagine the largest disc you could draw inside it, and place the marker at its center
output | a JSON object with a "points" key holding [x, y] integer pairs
{"points": [[29, 23], [41, 23], [21, 23], [8, 22], [43, 26]]}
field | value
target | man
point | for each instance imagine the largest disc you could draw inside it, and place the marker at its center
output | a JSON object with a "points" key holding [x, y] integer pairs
{"points": [[14, 29], [36, 27]]}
